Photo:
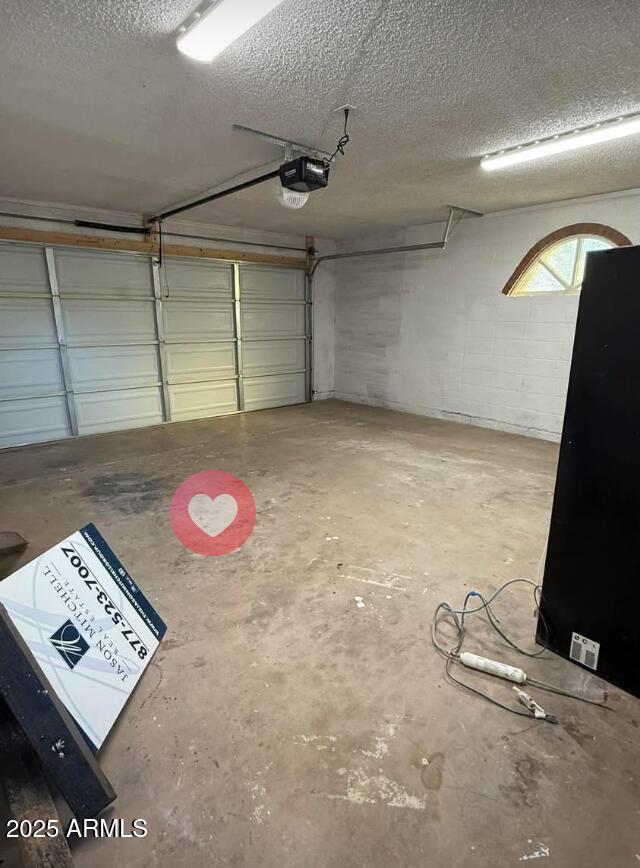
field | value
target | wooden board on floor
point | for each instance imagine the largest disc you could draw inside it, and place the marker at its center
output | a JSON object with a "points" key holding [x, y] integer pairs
{"points": [[11, 542], [29, 799], [58, 743]]}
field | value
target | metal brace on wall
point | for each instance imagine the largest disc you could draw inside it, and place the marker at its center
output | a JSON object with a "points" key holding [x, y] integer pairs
{"points": [[455, 215]]}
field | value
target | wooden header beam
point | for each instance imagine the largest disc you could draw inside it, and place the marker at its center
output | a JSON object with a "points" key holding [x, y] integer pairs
{"points": [[150, 247]]}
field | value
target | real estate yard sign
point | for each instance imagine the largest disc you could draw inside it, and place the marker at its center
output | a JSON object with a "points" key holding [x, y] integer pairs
{"points": [[88, 625]]}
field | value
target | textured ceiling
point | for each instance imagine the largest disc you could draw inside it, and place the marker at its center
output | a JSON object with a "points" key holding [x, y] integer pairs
{"points": [[99, 108]]}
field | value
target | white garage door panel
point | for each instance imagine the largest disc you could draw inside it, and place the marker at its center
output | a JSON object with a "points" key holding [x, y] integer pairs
{"points": [[30, 372], [277, 391], [23, 270], [258, 284], [272, 320], [187, 321], [272, 357], [274, 344], [82, 273], [199, 400], [113, 411], [33, 420], [190, 363], [187, 279], [26, 322], [115, 322], [128, 343], [108, 314], [113, 367], [29, 356]]}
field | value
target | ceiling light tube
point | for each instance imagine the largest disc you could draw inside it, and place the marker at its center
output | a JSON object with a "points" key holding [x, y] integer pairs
{"points": [[604, 132], [219, 26]]}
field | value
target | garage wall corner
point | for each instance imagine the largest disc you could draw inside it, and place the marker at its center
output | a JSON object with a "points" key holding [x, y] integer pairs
{"points": [[324, 325]]}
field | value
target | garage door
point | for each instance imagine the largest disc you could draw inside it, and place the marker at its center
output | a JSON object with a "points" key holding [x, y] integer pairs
{"points": [[274, 329], [108, 319], [33, 403], [198, 306], [93, 341]]}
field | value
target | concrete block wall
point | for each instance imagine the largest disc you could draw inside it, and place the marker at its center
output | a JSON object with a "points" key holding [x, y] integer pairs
{"points": [[432, 333]]}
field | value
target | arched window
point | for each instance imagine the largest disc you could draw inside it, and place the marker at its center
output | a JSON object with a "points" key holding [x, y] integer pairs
{"points": [[556, 263]]}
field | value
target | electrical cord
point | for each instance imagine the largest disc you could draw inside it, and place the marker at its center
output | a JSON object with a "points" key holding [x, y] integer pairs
{"points": [[495, 621], [460, 614], [160, 243], [551, 688], [452, 654], [479, 693], [343, 141]]}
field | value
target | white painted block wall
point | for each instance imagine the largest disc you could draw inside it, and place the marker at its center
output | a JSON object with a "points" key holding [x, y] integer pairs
{"points": [[324, 329], [431, 333]]}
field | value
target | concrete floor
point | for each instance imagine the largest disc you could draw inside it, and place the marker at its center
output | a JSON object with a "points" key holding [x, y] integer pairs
{"points": [[282, 725]]}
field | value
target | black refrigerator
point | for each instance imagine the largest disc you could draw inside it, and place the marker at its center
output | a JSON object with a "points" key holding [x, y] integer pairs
{"points": [[590, 600]]}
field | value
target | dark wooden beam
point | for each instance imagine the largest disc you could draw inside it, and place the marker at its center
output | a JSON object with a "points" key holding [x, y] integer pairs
{"points": [[28, 798], [58, 743]]}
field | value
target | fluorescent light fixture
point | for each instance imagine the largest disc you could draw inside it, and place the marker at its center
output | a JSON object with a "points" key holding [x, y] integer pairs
{"points": [[605, 132], [219, 26]]}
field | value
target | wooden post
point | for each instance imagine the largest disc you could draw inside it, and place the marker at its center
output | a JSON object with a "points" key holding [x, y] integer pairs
{"points": [[58, 743], [29, 799]]}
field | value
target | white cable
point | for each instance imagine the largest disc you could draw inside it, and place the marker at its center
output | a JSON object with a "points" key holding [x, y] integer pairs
{"points": [[494, 667]]}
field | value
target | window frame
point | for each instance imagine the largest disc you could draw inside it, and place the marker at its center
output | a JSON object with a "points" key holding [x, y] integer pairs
{"points": [[575, 230]]}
